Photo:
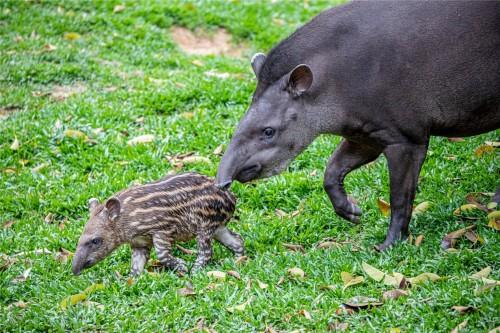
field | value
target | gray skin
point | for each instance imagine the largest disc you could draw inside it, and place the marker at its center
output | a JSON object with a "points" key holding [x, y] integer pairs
{"points": [[385, 76]]}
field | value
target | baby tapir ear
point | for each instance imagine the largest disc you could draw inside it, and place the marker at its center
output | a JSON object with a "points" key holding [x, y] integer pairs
{"points": [[92, 204], [257, 62], [300, 79], [113, 206]]}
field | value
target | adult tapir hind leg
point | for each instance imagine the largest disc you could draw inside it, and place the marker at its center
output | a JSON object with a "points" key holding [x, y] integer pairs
{"points": [[347, 157], [405, 162]]}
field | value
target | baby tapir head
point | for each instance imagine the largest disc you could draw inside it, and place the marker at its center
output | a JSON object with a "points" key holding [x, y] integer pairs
{"points": [[100, 236]]}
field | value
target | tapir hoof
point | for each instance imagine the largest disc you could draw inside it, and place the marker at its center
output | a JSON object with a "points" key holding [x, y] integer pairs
{"points": [[350, 211], [391, 241]]}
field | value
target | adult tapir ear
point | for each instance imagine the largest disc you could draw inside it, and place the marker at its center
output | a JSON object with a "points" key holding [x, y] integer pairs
{"points": [[300, 79], [257, 62], [92, 204], [113, 206]]}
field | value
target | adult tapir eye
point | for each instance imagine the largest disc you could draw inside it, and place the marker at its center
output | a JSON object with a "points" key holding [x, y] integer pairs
{"points": [[269, 132], [96, 241]]}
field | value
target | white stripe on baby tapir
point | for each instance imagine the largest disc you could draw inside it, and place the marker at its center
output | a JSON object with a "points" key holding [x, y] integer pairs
{"points": [[153, 195], [185, 204]]}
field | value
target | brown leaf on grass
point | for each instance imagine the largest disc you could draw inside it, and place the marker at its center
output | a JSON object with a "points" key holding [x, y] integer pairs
{"points": [[484, 273], [184, 292], [202, 43], [6, 261], [130, 281], [262, 285], [350, 280], [179, 160], [39, 167], [280, 213], [217, 275], [49, 218], [280, 281], [184, 250], [483, 149], [467, 208], [234, 274], [294, 247], [18, 304], [463, 309], [471, 198], [460, 327], [75, 134], [328, 245], [450, 239], [306, 314], [494, 219], [473, 237], [337, 326], [418, 240], [63, 255], [373, 272], [49, 47], [384, 207], [456, 139], [219, 150], [396, 280], [421, 208], [344, 310], [241, 260], [484, 288], [141, 139], [60, 93], [296, 272], [119, 8], [15, 144], [71, 36], [241, 307], [495, 330], [421, 278], [393, 294], [327, 287], [270, 329], [23, 277], [362, 302], [8, 224]]}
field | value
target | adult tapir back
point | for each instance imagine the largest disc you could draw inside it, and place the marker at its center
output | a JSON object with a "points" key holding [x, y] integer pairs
{"points": [[385, 76]]}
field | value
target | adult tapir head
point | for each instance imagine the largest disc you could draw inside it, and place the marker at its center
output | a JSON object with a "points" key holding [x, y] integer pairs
{"points": [[275, 128]]}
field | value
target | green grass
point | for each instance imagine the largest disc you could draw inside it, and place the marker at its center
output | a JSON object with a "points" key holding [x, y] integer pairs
{"points": [[131, 51]]}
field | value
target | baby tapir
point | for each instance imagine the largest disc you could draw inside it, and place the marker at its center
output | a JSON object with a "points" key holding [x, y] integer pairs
{"points": [[175, 208]]}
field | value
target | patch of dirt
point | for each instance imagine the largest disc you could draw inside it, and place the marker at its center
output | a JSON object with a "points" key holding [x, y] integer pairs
{"points": [[6, 111], [60, 93], [202, 43]]}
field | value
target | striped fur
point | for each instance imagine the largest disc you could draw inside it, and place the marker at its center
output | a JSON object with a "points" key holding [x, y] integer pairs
{"points": [[176, 208]]}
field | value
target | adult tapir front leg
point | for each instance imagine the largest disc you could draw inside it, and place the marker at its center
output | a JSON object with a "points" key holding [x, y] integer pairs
{"points": [[347, 157], [405, 162]]}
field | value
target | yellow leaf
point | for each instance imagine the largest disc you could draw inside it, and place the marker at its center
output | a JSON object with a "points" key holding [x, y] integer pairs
{"points": [[75, 134], [296, 272], [483, 149], [465, 208], [196, 159], [421, 207], [218, 275], [328, 245], [15, 144], [187, 115], [93, 288], [423, 278], [71, 36], [118, 9], [494, 220], [460, 327], [241, 307], [384, 207], [373, 272], [484, 273], [262, 285], [450, 239], [350, 280], [419, 240], [306, 314], [346, 277], [72, 300], [146, 138]]}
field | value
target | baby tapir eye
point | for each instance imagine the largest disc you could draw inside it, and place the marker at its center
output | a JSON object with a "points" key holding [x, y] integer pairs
{"points": [[268, 132]]}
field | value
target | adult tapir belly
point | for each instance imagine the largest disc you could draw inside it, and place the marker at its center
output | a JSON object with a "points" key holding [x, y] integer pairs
{"points": [[384, 75]]}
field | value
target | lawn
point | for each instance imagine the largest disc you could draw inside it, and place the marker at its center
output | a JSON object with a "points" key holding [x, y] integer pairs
{"points": [[79, 79]]}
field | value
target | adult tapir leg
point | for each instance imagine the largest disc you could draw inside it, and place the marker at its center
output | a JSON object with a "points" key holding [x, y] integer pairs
{"points": [[405, 162], [347, 157]]}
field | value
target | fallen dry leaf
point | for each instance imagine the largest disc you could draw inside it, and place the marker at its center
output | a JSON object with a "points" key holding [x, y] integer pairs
{"points": [[8, 224], [337, 326], [241, 307], [306, 314], [72, 300], [75, 134], [234, 274], [49, 47], [495, 330], [463, 309], [344, 310], [184, 292], [494, 220], [484, 273], [93, 288], [350, 280], [219, 150], [18, 304], [23, 277], [141, 139], [467, 208], [262, 285], [421, 208], [361, 302], [459, 327], [423, 278], [63, 255], [456, 139], [15, 144], [296, 272], [71, 36], [93, 304], [396, 280], [483, 149], [39, 167], [60, 93], [418, 240], [217, 275], [450, 239], [118, 9], [393, 294], [130, 281], [384, 207], [6, 261], [241, 260], [373, 272], [280, 213], [484, 288], [473, 237], [294, 247], [328, 245]]}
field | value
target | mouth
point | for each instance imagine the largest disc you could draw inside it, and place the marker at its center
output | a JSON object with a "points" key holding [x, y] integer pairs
{"points": [[249, 173]]}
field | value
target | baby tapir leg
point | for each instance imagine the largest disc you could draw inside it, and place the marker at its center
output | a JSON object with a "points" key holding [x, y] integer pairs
{"points": [[163, 246], [231, 240], [141, 248], [205, 250]]}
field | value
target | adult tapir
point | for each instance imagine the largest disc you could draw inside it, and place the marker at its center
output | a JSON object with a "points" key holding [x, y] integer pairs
{"points": [[383, 75]]}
